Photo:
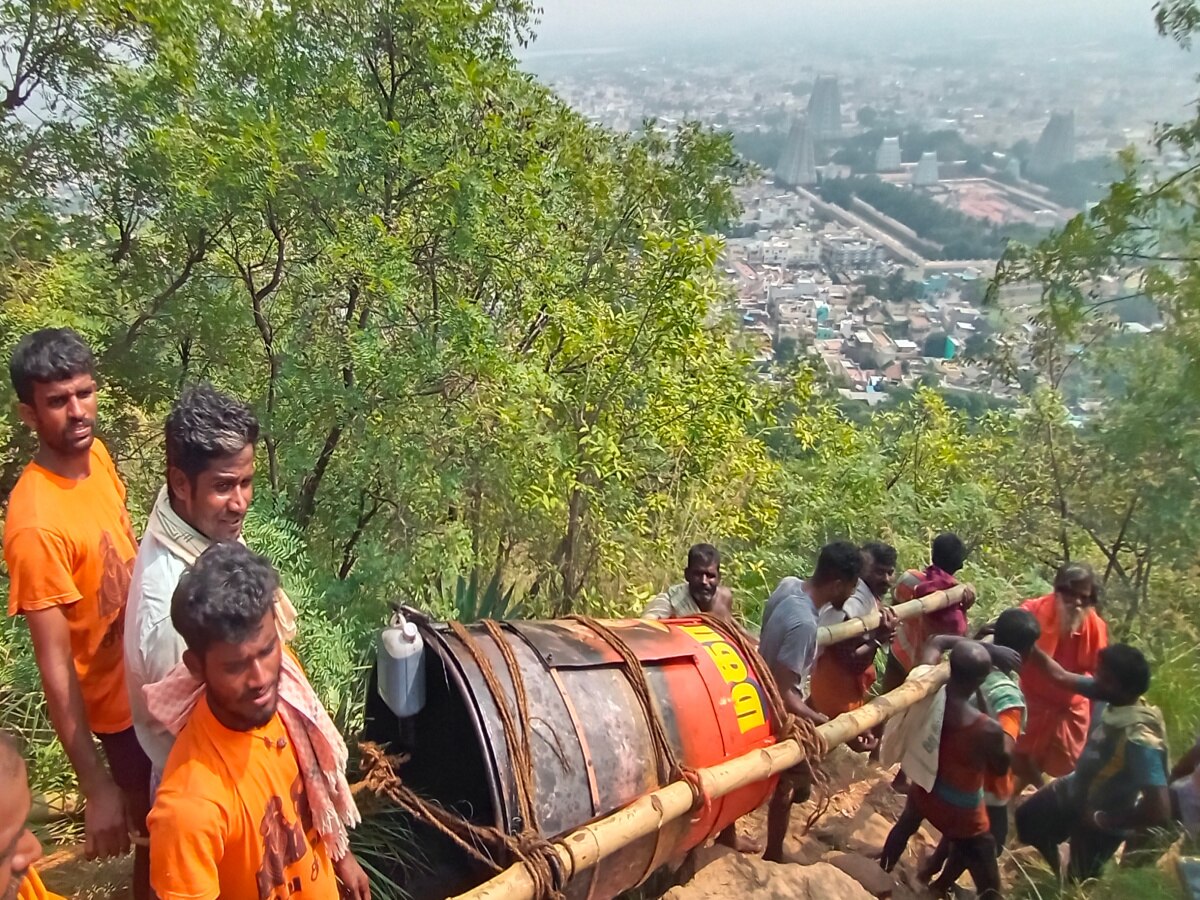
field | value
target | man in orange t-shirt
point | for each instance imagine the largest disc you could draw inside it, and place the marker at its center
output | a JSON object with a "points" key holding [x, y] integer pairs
{"points": [[232, 816], [69, 547], [19, 849]]}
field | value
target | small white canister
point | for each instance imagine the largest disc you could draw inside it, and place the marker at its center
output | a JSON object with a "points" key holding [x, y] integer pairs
{"points": [[400, 661]]}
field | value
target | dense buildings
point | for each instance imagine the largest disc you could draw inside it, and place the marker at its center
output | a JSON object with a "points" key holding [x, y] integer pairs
{"points": [[798, 162], [850, 252], [868, 292]]}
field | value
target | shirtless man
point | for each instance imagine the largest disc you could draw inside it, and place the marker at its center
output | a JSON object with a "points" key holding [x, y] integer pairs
{"points": [[972, 746], [701, 591]]}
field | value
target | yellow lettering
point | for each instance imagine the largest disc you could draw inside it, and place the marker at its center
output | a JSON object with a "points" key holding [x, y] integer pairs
{"points": [[747, 706], [732, 668], [702, 633]]}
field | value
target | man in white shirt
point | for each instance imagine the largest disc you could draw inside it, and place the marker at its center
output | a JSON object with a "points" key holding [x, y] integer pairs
{"points": [[700, 591], [210, 439], [845, 672]]}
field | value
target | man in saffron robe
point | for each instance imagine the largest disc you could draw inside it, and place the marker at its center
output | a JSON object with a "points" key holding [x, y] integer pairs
{"points": [[1073, 634]]}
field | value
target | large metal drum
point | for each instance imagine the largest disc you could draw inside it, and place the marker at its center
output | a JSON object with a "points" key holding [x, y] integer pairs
{"points": [[591, 745]]}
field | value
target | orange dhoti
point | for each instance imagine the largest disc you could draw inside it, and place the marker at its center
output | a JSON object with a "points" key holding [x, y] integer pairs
{"points": [[1057, 723], [834, 689], [1054, 736]]}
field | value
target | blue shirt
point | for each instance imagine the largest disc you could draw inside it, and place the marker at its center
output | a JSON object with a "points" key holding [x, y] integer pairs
{"points": [[1113, 771]]}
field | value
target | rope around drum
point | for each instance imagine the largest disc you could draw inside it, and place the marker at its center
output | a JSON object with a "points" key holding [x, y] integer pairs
{"points": [[787, 726], [527, 846]]}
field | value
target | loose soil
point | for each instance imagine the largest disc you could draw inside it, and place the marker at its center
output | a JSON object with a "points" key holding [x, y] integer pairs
{"points": [[850, 817]]}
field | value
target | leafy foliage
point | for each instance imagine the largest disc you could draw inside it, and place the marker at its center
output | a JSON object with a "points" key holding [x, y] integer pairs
{"points": [[485, 337], [472, 602]]}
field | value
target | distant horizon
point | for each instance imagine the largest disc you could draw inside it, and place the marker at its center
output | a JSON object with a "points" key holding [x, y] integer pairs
{"points": [[570, 26]]}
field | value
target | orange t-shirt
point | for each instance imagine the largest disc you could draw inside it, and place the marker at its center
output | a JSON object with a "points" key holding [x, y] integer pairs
{"points": [[231, 819], [1000, 787], [70, 544], [33, 889]]}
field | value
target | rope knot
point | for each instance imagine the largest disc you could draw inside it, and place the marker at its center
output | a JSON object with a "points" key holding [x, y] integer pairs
{"points": [[544, 864], [701, 799]]}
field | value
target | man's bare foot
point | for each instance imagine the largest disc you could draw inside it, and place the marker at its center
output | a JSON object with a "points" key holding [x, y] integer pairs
{"points": [[740, 842]]}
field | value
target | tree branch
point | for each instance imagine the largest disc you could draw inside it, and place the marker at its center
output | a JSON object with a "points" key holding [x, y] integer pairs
{"points": [[196, 254]]}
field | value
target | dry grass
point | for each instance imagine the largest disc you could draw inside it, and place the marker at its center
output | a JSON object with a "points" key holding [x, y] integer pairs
{"points": [[66, 872]]}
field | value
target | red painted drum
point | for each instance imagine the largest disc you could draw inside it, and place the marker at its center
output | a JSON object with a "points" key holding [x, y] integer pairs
{"points": [[592, 747]]}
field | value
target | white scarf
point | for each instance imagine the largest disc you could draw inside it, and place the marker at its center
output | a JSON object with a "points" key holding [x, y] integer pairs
{"points": [[913, 738], [186, 543]]}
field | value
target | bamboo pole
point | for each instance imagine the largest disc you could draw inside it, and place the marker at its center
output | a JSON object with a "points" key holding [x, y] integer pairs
{"points": [[852, 628], [586, 846]]}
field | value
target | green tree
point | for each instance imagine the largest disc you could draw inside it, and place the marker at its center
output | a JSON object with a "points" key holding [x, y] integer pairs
{"points": [[477, 329]]}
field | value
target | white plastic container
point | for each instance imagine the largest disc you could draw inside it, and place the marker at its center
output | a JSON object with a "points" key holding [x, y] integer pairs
{"points": [[400, 661]]}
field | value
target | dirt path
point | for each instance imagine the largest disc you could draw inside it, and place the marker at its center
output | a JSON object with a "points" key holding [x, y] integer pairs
{"points": [[849, 825]]}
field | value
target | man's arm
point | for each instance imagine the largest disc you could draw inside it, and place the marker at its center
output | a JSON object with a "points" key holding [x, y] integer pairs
{"points": [[658, 608], [1077, 684], [931, 653], [792, 691], [1146, 770], [998, 749], [1152, 810], [107, 833], [1187, 763]]}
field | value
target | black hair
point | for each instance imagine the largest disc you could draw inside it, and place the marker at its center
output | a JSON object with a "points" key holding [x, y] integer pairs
{"points": [[969, 661], [1017, 629], [206, 424], [703, 555], [46, 356], [1071, 576], [838, 561], [883, 554], [1128, 667], [948, 552], [223, 597]]}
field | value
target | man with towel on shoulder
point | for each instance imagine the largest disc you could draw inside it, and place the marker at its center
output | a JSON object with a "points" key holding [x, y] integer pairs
{"points": [[969, 747], [210, 440]]}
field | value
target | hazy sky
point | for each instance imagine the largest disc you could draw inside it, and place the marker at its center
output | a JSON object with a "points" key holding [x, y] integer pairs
{"points": [[587, 23]]}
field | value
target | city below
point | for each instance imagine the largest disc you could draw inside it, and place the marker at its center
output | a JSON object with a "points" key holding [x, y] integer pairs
{"points": [[880, 205]]}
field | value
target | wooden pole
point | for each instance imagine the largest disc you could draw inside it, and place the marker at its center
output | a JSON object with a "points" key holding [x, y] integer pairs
{"points": [[586, 846], [852, 628]]}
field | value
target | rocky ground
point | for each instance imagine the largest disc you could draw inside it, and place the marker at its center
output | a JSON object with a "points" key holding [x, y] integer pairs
{"points": [[850, 820]]}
